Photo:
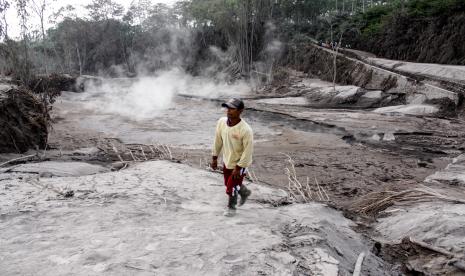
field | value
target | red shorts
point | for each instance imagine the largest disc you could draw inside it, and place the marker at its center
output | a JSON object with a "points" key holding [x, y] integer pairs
{"points": [[231, 183]]}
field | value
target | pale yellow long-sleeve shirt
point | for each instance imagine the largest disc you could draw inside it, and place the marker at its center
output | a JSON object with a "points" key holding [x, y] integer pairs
{"points": [[236, 143]]}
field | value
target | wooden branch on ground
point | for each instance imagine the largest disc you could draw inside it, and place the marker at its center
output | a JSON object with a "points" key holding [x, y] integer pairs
{"points": [[431, 247], [358, 264], [117, 152], [17, 159], [457, 261], [143, 152], [133, 157]]}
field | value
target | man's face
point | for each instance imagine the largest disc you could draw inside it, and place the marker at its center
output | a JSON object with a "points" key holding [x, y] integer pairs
{"points": [[233, 113]]}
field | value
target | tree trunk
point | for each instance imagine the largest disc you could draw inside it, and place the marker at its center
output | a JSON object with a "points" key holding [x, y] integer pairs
{"points": [[5, 25], [79, 59], [43, 43], [58, 58]]}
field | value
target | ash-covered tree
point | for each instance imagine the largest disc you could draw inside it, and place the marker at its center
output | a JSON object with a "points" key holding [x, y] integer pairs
{"points": [[4, 5], [80, 43], [235, 24], [100, 10], [138, 12]]}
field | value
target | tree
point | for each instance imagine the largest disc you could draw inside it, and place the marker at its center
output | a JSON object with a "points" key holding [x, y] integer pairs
{"points": [[180, 11], [139, 11], [66, 12], [39, 7], [101, 10], [241, 22], [17, 53], [4, 5]]}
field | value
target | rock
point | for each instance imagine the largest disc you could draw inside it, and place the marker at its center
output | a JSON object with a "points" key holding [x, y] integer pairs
{"points": [[418, 109], [377, 94], [85, 81], [52, 168], [389, 137], [350, 71], [371, 99], [347, 92], [454, 173], [116, 166], [288, 101], [376, 137]]}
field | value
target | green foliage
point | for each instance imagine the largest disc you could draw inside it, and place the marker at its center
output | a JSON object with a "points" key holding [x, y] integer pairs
{"points": [[375, 19], [434, 7]]}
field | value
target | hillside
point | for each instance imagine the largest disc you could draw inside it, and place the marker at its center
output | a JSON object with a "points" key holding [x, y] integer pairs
{"points": [[427, 31]]}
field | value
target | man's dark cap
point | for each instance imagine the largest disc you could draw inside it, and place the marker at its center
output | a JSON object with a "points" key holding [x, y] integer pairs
{"points": [[234, 103]]}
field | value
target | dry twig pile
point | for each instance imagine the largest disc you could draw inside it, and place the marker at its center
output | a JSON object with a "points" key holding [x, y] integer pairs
{"points": [[373, 203], [300, 192]]}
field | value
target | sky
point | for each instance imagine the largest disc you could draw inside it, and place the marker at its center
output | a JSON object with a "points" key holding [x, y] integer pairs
{"points": [[13, 22]]}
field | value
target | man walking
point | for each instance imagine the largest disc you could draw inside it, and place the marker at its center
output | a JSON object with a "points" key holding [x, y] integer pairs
{"points": [[235, 137]]}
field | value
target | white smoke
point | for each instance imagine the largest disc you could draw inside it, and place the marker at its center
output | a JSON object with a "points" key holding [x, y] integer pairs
{"points": [[146, 97]]}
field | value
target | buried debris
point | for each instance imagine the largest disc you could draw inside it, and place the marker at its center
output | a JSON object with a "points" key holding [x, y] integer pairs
{"points": [[23, 121], [453, 259], [422, 258], [66, 193], [373, 203], [53, 84], [22, 158]]}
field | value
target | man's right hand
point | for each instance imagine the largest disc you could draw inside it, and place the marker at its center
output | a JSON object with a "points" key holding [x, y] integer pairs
{"points": [[214, 163]]}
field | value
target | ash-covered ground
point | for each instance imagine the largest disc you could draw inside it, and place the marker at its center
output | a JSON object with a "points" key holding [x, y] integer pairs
{"points": [[96, 203]]}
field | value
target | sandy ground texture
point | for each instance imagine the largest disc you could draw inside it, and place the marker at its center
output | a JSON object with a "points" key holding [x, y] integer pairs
{"points": [[165, 218]]}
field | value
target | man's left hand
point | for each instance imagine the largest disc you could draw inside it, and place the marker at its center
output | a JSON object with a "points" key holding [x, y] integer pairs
{"points": [[236, 174]]}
